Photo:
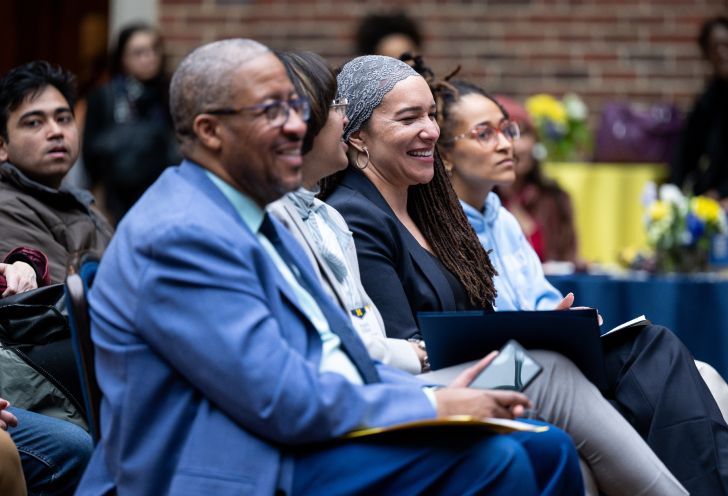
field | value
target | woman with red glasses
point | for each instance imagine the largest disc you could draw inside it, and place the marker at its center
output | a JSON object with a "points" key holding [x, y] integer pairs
{"points": [[653, 380]]}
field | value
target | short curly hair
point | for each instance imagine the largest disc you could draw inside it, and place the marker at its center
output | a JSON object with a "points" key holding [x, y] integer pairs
{"points": [[202, 80], [707, 29], [375, 27]]}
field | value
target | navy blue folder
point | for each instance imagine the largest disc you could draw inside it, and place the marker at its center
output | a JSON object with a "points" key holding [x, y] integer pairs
{"points": [[457, 337]]}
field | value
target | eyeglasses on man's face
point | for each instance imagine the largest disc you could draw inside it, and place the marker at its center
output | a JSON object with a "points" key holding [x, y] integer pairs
{"points": [[340, 105], [275, 112], [487, 134]]}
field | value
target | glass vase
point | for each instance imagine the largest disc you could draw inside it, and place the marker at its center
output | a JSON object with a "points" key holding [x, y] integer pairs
{"points": [[689, 259]]}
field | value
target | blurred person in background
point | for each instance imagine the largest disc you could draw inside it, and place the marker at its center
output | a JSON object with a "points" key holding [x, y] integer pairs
{"points": [[388, 34], [702, 158], [541, 206], [128, 138]]}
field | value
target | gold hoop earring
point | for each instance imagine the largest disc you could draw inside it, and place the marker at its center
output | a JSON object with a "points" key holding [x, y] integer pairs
{"points": [[356, 161]]}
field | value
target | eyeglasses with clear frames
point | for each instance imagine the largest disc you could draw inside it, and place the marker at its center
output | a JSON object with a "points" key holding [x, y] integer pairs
{"points": [[487, 134], [340, 105], [276, 112]]}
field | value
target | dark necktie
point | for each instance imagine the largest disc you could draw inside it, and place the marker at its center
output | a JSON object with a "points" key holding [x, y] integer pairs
{"points": [[350, 343]]}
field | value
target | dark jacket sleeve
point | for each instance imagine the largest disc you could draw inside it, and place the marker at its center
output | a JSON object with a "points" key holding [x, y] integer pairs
{"points": [[692, 142], [98, 118], [23, 226], [34, 258], [384, 263]]}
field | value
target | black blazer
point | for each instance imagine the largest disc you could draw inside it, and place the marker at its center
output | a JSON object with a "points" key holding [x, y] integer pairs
{"points": [[400, 276]]}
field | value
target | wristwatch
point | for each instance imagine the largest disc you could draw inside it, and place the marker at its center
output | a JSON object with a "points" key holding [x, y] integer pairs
{"points": [[425, 361]]}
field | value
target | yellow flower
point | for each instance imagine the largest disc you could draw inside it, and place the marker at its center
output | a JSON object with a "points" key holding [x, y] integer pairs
{"points": [[658, 211], [544, 106], [706, 209], [628, 255]]}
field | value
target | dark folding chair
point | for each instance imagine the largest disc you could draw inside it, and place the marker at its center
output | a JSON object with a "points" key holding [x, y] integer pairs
{"points": [[78, 283]]}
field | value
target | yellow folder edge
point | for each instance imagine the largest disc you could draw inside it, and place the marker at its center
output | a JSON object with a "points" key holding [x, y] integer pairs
{"points": [[495, 425]]}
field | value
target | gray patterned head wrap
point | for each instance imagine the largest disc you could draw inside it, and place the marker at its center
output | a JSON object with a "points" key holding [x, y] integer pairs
{"points": [[364, 81]]}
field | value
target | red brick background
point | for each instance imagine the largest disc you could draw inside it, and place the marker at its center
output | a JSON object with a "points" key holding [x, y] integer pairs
{"points": [[639, 50]]}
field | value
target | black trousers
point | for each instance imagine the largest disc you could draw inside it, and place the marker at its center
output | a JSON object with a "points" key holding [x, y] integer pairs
{"points": [[655, 385]]}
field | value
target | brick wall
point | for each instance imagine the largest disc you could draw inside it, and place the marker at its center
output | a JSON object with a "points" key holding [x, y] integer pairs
{"points": [[614, 49]]}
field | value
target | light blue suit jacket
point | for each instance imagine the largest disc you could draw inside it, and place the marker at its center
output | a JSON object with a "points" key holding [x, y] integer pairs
{"points": [[521, 283], [209, 371]]}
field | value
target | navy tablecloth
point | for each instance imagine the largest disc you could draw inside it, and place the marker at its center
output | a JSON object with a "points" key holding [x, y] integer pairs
{"points": [[693, 307]]}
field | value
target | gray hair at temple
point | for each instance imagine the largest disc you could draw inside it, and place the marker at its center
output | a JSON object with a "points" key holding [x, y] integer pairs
{"points": [[202, 80], [364, 81]]}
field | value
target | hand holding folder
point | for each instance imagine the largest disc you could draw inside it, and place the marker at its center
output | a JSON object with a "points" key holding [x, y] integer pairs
{"points": [[490, 410], [495, 425]]}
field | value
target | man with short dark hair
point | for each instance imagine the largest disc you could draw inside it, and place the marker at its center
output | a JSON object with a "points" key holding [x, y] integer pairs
{"points": [[39, 143], [225, 367]]}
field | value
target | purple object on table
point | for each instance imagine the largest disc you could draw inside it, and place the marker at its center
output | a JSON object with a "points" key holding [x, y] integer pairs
{"points": [[629, 133]]}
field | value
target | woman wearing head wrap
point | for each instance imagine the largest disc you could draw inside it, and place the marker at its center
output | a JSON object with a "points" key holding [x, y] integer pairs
{"points": [[318, 227], [417, 252]]}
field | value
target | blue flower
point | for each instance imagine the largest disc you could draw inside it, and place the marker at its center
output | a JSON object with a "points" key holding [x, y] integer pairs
{"points": [[553, 130], [694, 225]]}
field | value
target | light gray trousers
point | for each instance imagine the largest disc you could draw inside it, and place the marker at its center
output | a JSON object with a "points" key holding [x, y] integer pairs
{"points": [[619, 460]]}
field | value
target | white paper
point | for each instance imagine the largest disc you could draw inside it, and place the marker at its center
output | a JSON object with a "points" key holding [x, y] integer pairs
{"points": [[635, 321]]}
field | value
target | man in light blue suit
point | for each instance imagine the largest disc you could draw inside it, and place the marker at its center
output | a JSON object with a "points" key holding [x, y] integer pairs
{"points": [[225, 367]]}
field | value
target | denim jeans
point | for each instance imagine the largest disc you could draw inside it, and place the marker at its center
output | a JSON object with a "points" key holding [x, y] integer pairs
{"points": [[53, 452]]}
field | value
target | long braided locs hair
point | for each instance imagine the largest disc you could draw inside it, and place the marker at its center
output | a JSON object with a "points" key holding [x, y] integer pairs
{"points": [[436, 210]]}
